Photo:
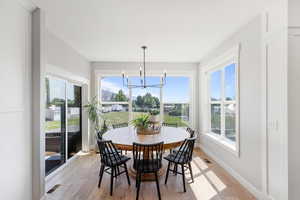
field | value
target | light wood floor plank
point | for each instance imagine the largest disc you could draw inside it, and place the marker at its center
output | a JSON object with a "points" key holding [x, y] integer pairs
{"points": [[79, 182]]}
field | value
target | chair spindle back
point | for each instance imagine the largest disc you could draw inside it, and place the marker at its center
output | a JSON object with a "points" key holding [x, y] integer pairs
{"points": [[108, 152], [186, 150], [147, 157]]}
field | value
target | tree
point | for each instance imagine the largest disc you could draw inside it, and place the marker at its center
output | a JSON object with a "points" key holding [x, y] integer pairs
{"points": [[149, 101], [77, 95], [120, 96], [146, 102], [139, 101], [157, 102], [57, 101], [176, 111]]}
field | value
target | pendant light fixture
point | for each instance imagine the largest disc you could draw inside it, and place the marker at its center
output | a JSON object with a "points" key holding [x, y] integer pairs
{"points": [[142, 73]]}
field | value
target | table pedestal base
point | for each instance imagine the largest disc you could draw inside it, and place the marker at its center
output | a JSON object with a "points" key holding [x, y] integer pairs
{"points": [[147, 177]]}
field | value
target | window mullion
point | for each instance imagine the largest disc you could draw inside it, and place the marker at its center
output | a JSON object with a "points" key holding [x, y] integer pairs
{"points": [[209, 117], [209, 102], [223, 103], [161, 106], [130, 105]]}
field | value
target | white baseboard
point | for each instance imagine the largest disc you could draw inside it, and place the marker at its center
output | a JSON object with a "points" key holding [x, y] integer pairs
{"points": [[251, 188]]}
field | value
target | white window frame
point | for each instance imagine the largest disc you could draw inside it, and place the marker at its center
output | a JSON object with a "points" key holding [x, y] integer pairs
{"points": [[219, 64], [190, 100], [99, 74], [99, 94]]}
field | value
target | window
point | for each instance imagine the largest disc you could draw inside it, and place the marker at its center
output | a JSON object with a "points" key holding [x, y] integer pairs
{"points": [[176, 100], [222, 97], [121, 104], [114, 99], [223, 89], [145, 99]]}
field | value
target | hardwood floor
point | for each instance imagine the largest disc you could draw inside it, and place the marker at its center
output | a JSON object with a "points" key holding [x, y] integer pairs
{"points": [[78, 181]]}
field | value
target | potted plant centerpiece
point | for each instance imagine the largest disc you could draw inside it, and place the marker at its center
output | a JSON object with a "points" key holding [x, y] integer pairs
{"points": [[144, 126], [154, 116]]}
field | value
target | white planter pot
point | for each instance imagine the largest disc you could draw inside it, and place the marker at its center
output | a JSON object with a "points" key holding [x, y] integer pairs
{"points": [[154, 118]]}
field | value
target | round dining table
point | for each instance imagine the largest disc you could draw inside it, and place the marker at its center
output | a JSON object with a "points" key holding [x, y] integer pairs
{"points": [[123, 139]]}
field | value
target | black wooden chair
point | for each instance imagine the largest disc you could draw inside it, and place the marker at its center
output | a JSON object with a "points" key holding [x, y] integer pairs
{"points": [[190, 131], [147, 158], [192, 134], [99, 137], [121, 125], [170, 124], [174, 151], [183, 157], [111, 162]]}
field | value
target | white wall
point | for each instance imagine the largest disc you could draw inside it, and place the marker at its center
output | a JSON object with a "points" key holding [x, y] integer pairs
{"points": [[294, 98], [294, 110], [15, 81], [64, 62], [274, 140], [248, 166], [119, 66], [61, 55], [293, 13]]}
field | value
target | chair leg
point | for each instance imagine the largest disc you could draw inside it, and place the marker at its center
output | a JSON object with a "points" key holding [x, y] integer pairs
{"points": [[101, 175], [100, 170], [191, 171], [175, 169], [138, 186], [167, 175], [118, 170], [112, 180], [183, 177], [125, 166], [136, 180], [157, 186]]}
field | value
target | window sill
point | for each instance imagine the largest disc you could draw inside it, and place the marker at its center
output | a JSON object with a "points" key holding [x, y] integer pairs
{"points": [[226, 144]]}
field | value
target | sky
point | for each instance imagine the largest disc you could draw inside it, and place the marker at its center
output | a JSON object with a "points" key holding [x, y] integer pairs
{"points": [[57, 89], [176, 90], [215, 83]]}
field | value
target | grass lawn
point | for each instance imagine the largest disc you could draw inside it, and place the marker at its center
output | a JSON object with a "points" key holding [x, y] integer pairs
{"points": [[122, 117], [174, 119], [115, 118], [51, 125]]}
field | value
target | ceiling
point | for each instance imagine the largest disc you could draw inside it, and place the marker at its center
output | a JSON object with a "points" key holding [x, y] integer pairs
{"points": [[174, 30]]}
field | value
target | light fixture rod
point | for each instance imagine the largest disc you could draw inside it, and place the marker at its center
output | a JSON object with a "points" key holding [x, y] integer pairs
{"points": [[143, 79], [144, 48]]}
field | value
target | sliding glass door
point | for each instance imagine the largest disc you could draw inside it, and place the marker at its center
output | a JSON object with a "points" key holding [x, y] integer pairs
{"points": [[74, 119], [63, 122], [55, 124]]}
